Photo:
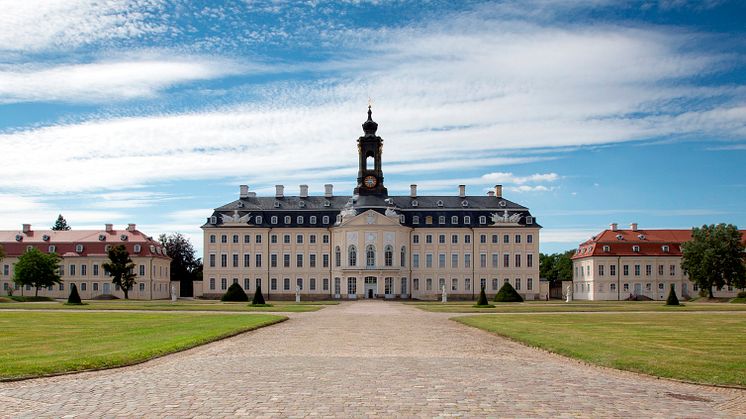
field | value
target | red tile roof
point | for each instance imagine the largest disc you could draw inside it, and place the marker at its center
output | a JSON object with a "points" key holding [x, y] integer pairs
{"points": [[94, 242], [648, 242]]}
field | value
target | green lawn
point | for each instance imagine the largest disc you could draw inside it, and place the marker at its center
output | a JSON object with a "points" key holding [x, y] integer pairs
{"points": [[578, 306], [698, 347], [181, 305], [36, 343]]}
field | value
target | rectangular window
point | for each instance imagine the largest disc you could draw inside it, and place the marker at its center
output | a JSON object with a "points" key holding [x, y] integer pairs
{"points": [[235, 260], [467, 239], [312, 284], [416, 239], [312, 260], [517, 238], [660, 270], [506, 238], [529, 238], [482, 260], [326, 284], [648, 270], [84, 286], [612, 270], [286, 260], [273, 284], [286, 284], [442, 238], [258, 237], [312, 239], [529, 260], [494, 238], [506, 260], [454, 260], [325, 260], [299, 260], [142, 270], [495, 258], [529, 284], [258, 260], [212, 284], [637, 270], [625, 270], [95, 267], [224, 260], [518, 284], [494, 284], [428, 238], [517, 261], [273, 260], [416, 260], [142, 286], [246, 260], [286, 238], [273, 238], [299, 238], [352, 285], [429, 260], [72, 270], [672, 269], [441, 260], [247, 238], [83, 269], [454, 238], [454, 284], [223, 283], [246, 284], [467, 260], [600, 270], [429, 284]]}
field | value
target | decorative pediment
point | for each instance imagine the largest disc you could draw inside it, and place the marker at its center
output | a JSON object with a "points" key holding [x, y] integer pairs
{"points": [[235, 219], [369, 218], [505, 219]]}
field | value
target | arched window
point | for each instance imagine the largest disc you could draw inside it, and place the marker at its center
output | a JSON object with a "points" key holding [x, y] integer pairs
{"points": [[403, 256], [370, 255], [337, 257], [388, 255], [352, 255]]}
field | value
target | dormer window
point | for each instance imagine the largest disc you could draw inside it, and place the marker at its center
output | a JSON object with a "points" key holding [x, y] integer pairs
{"points": [[137, 248], [152, 249], [641, 236], [415, 203], [619, 237], [239, 204], [607, 249], [123, 237], [213, 221], [29, 247], [529, 220], [327, 204], [665, 248], [636, 249], [45, 237], [439, 203], [19, 237], [464, 203], [52, 249], [502, 203], [107, 248], [79, 248], [277, 204], [302, 204]]}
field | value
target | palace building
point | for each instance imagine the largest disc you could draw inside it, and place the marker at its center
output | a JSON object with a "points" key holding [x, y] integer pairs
{"points": [[371, 244], [83, 253], [617, 264]]}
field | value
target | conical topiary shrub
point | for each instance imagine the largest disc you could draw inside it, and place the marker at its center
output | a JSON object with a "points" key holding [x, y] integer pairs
{"points": [[74, 298], [235, 293], [482, 301], [672, 300], [508, 294], [258, 297]]}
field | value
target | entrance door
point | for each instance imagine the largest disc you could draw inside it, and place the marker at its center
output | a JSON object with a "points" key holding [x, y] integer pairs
{"points": [[371, 287], [638, 289]]}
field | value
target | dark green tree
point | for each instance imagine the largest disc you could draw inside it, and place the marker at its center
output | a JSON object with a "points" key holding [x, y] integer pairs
{"points": [[556, 266], [508, 294], [121, 269], [185, 268], [74, 298], [258, 296], [482, 301], [672, 300], [60, 224], [235, 293], [37, 269], [714, 257]]}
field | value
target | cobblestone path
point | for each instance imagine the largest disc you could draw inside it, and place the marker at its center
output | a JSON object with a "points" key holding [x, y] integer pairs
{"points": [[365, 359]]}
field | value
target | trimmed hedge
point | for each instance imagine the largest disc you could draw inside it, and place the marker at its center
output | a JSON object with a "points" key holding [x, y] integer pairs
{"points": [[258, 297], [235, 293], [508, 294], [74, 298], [672, 300], [482, 301]]}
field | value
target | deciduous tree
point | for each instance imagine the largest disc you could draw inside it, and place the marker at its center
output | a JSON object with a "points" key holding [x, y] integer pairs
{"points": [[121, 269], [556, 266], [185, 267], [714, 257], [37, 269]]}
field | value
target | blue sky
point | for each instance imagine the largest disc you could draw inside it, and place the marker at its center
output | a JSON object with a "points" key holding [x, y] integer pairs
{"points": [[588, 111]]}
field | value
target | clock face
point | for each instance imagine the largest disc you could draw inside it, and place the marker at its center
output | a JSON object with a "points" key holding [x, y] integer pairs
{"points": [[370, 181]]}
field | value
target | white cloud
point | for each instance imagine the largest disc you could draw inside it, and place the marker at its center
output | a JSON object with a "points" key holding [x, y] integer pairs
{"points": [[502, 177], [38, 25], [567, 235], [527, 188], [108, 80]]}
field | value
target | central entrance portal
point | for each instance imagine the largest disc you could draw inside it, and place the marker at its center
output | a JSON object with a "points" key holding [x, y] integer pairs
{"points": [[371, 287]]}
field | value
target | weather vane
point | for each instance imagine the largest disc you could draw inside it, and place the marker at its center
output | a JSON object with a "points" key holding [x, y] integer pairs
{"points": [[370, 102]]}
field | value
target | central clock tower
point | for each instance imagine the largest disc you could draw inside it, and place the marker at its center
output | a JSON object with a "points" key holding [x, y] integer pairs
{"points": [[369, 148]]}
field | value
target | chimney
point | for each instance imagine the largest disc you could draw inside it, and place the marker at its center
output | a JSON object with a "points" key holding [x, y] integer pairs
{"points": [[491, 193], [109, 228], [633, 226], [26, 228], [131, 227], [244, 191], [413, 191], [613, 226], [304, 191], [328, 190], [279, 191], [499, 191], [462, 191]]}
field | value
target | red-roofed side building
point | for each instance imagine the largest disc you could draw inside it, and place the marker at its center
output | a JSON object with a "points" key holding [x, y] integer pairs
{"points": [[618, 263], [83, 253]]}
